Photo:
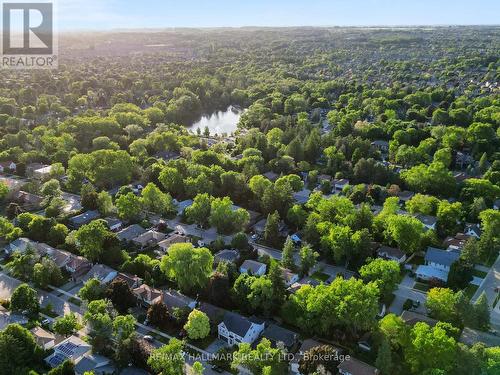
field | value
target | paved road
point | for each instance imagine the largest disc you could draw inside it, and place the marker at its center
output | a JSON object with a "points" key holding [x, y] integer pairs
{"points": [[489, 286], [59, 305]]}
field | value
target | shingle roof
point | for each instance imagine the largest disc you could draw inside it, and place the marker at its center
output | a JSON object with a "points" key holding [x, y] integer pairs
{"points": [[356, 367], [446, 258], [237, 323], [277, 334]]}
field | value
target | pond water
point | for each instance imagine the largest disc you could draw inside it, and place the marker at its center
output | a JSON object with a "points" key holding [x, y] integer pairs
{"points": [[219, 122]]}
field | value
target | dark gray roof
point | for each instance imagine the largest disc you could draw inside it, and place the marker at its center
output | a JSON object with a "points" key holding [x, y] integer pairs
{"points": [[277, 334], [84, 218], [237, 323], [130, 232], [412, 318], [226, 255], [390, 251], [427, 219], [446, 258]]}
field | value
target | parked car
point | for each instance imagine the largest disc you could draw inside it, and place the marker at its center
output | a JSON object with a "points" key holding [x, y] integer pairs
{"points": [[148, 338]]}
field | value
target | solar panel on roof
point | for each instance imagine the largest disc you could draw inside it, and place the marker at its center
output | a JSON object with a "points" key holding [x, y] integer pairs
{"points": [[56, 360]]}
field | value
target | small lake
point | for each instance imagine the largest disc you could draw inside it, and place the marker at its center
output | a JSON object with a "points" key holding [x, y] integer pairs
{"points": [[219, 122]]}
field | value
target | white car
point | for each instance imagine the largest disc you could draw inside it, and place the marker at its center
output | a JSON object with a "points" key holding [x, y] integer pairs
{"points": [[148, 338]]}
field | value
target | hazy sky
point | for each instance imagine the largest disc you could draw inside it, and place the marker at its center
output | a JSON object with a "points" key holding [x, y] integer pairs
{"points": [[109, 14]]}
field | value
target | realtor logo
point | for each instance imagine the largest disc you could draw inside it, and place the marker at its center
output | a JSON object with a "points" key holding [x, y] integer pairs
{"points": [[28, 38]]}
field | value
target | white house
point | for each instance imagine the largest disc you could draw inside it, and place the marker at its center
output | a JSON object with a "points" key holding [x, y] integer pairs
{"points": [[253, 267], [473, 230], [440, 259], [235, 329], [7, 166], [289, 277], [428, 221], [391, 253]]}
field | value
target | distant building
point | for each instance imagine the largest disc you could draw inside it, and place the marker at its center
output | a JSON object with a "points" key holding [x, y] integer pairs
{"points": [[83, 219], [146, 295], [43, 338], [353, 366], [114, 224], [411, 318], [339, 184], [95, 364], [73, 349], [181, 206], [7, 166], [473, 230], [428, 221], [102, 273], [405, 196], [253, 267], [227, 255], [132, 281], [129, 233], [149, 238], [172, 239], [391, 253]]}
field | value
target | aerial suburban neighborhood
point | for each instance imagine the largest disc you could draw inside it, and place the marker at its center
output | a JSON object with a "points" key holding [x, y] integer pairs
{"points": [[293, 200]]}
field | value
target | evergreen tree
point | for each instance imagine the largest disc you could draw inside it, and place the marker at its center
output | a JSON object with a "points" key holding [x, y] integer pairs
{"points": [[279, 288], [287, 254], [271, 230], [384, 358], [482, 312]]}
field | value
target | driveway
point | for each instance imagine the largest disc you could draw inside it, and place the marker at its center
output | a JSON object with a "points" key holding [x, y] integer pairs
{"points": [[405, 292]]}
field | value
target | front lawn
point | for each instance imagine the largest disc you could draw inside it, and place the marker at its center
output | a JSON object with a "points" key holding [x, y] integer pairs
{"points": [[470, 290], [320, 276], [421, 286], [478, 273]]}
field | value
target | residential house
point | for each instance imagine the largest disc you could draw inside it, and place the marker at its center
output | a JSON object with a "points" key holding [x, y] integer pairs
{"points": [[304, 347], [114, 224], [171, 239], [456, 242], [289, 277], [146, 295], [32, 167], [440, 259], [405, 195], [411, 318], [73, 348], [129, 233], [324, 177], [353, 366], [182, 205], [428, 221], [167, 155], [427, 273], [7, 166], [253, 267], [43, 338], [102, 273], [471, 336], [42, 173], [271, 176], [473, 230], [496, 204], [20, 245], [391, 253], [60, 257], [381, 145], [149, 238], [235, 329], [260, 227], [28, 201], [280, 336], [95, 364], [339, 184], [174, 299], [227, 255], [132, 281], [304, 281], [77, 267], [79, 220], [301, 197]]}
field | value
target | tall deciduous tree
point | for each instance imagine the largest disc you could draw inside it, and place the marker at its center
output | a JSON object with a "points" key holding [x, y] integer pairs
{"points": [[190, 267]]}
